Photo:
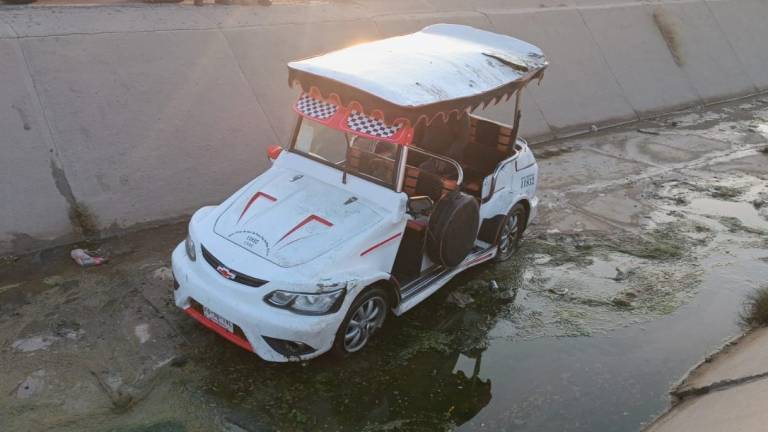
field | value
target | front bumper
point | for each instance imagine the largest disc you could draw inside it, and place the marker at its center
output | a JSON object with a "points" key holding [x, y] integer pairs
{"points": [[200, 285]]}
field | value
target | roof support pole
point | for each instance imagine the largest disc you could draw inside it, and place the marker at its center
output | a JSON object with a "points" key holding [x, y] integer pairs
{"points": [[518, 114], [401, 167]]}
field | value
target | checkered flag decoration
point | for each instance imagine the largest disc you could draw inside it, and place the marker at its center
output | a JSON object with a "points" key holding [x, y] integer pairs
{"points": [[315, 108], [370, 126]]}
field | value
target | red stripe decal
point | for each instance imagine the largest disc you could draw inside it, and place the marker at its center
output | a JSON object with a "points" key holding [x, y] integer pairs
{"points": [[306, 220], [381, 243], [237, 340], [254, 198]]}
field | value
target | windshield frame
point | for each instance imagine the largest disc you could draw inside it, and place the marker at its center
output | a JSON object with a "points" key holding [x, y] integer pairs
{"points": [[350, 138]]}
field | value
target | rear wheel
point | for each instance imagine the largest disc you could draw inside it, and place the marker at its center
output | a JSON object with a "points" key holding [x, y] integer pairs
{"points": [[364, 318], [511, 233]]}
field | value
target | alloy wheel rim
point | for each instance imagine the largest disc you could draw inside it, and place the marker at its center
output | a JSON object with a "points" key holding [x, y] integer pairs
{"points": [[365, 321], [508, 235]]}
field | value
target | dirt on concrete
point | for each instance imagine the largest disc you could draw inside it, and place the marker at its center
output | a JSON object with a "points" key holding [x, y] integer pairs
{"points": [[633, 227]]}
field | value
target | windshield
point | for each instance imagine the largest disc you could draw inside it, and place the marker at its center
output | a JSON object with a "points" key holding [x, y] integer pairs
{"points": [[369, 159]]}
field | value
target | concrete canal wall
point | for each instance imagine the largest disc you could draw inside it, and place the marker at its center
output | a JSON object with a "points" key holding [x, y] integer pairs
{"points": [[113, 117]]}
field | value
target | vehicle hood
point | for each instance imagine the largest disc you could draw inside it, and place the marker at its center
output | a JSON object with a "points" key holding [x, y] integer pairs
{"points": [[292, 219]]}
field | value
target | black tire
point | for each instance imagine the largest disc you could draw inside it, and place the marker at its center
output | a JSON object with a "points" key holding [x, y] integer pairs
{"points": [[343, 345], [511, 233], [453, 228]]}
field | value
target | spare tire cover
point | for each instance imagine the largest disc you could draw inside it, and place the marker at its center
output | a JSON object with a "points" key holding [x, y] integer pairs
{"points": [[453, 229]]}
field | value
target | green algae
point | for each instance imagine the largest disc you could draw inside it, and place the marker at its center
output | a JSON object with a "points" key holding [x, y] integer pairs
{"points": [[665, 242], [723, 192]]}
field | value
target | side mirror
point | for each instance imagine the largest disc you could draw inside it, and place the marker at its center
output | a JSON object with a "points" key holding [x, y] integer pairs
{"points": [[273, 152], [420, 205]]}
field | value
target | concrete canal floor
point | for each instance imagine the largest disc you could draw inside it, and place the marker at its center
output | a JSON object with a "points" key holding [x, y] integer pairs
{"points": [[648, 241]]}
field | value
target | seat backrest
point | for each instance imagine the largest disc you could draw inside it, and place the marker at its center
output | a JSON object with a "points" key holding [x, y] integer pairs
{"points": [[354, 158], [490, 134], [489, 144], [411, 180], [419, 182]]}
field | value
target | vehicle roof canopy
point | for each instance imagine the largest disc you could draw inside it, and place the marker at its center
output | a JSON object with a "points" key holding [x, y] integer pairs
{"points": [[442, 70]]}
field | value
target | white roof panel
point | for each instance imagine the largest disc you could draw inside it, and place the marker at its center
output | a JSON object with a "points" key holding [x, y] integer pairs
{"points": [[440, 63]]}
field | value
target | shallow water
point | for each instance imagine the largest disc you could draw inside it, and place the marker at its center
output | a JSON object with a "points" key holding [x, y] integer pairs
{"points": [[744, 211], [612, 381]]}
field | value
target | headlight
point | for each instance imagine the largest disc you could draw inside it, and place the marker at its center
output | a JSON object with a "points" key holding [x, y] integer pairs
{"points": [[306, 303], [190, 246]]}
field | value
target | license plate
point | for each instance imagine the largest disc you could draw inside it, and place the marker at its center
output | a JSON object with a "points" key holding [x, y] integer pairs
{"points": [[218, 319]]}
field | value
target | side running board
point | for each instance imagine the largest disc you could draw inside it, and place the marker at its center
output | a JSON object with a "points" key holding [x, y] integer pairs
{"points": [[438, 272], [420, 284]]}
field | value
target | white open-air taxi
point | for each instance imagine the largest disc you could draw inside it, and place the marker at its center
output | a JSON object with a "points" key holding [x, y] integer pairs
{"points": [[390, 187]]}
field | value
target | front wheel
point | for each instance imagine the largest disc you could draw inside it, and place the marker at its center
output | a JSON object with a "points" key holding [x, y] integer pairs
{"points": [[511, 233], [365, 317]]}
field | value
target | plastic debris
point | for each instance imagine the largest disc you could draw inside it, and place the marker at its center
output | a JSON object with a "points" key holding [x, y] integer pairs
{"points": [[649, 132], [621, 302], [502, 293], [508, 296], [32, 385], [8, 259], [163, 274], [460, 299], [86, 258], [559, 291], [622, 275]]}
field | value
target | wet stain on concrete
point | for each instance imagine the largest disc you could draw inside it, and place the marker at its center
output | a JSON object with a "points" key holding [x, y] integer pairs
{"points": [[669, 27], [82, 219], [22, 116]]}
